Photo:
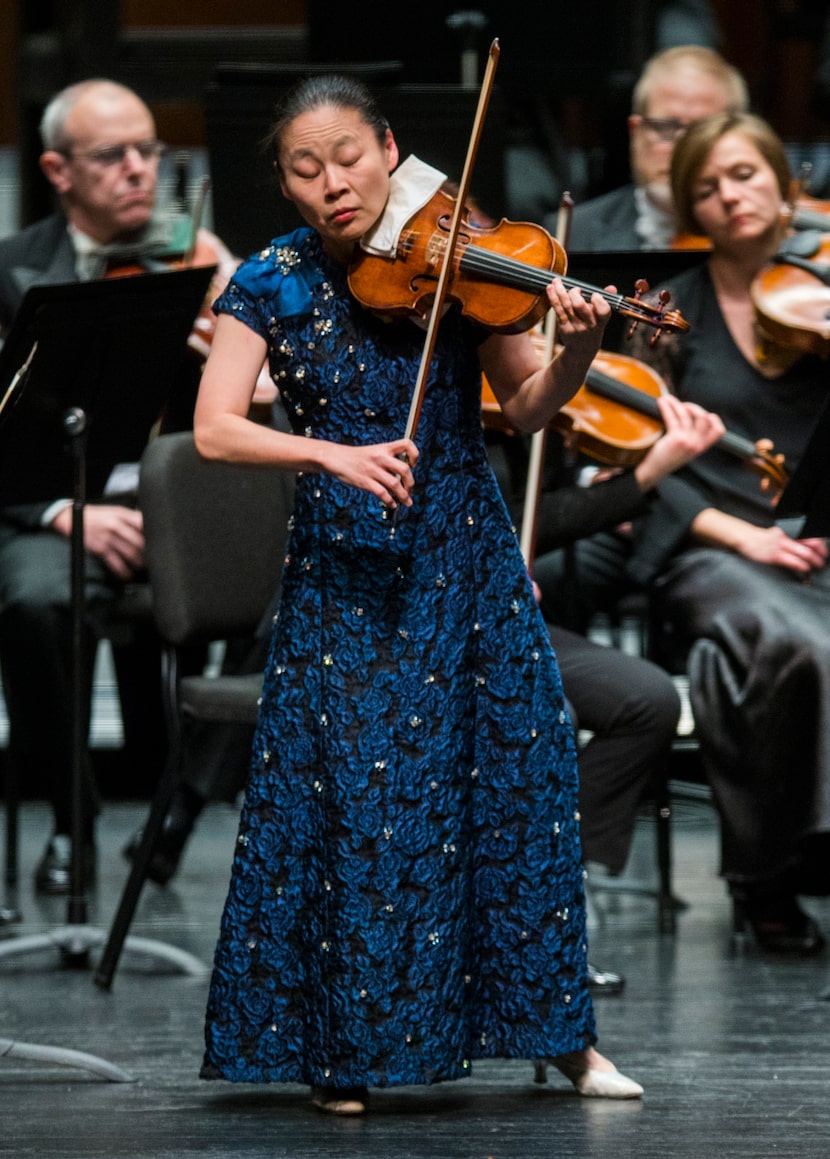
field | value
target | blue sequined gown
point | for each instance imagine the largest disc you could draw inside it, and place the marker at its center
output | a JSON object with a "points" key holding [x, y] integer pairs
{"points": [[406, 893]]}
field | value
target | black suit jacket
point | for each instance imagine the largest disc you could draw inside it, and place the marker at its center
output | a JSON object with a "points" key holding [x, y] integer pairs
{"points": [[604, 223], [40, 255]]}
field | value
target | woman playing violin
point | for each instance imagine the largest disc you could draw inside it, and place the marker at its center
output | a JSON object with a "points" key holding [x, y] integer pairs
{"points": [[406, 894], [747, 599]]}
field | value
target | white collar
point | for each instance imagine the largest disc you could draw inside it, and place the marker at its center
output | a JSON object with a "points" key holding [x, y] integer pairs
{"points": [[655, 227], [410, 187]]}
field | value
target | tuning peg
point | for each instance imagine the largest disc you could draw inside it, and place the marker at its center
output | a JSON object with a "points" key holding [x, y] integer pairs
{"points": [[664, 297]]}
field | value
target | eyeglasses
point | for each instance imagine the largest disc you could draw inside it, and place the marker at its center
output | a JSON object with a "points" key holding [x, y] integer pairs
{"points": [[110, 155], [665, 128]]}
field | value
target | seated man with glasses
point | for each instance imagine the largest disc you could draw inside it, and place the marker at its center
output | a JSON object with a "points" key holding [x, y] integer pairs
{"points": [[101, 156], [676, 87]]}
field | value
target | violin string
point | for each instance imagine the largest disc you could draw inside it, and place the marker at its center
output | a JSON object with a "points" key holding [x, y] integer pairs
{"points": [[520, 275], [608, 387], [620, 392], [523, 276]]}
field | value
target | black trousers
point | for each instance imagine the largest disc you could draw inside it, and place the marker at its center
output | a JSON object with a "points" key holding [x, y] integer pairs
{"points": [[585, 578], [37, 668], [632, 708]]}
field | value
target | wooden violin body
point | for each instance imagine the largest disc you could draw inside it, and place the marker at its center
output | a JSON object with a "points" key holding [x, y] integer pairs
{"points": [[600, 420], [614, 418], [792, 301], [690, 241], [499, 274], [594, 422], [405, 285]]}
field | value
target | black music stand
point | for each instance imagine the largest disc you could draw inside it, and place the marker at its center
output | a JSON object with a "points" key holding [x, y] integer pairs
{"points": [[808, 492], [103, 360]]}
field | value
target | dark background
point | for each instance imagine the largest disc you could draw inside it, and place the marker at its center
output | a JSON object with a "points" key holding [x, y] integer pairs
{"points": [[564, 77]]}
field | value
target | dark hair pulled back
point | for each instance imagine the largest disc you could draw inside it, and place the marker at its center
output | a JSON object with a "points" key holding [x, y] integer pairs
{"points": [[314, 92]]}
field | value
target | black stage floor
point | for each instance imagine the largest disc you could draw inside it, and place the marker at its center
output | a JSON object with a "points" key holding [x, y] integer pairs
{"points": [[732, 1048]]}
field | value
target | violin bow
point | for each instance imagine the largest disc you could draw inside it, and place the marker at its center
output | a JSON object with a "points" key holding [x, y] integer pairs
{"points": [[196, 220], [18, 379], [538, 441], [452, 237]]}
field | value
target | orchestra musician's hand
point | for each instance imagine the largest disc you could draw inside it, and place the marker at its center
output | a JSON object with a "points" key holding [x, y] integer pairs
{"points": [[772, 545], [114, 533], [580, 318], [690, 430], [769, 545]]}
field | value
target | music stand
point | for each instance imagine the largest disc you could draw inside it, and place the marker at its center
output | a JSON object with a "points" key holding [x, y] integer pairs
{"points": [[808, 492], [105, 358]]}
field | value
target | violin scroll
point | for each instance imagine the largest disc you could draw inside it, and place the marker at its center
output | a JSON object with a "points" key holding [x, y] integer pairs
{"points": [[655, 315], [770, 466]]}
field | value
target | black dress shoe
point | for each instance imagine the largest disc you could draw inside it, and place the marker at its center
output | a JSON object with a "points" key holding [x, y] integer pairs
{"points": [[604, 982], [777, 921], [53, 874], [175, 831]]}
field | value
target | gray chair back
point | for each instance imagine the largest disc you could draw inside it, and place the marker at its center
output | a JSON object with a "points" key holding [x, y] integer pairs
{"points": [[215, 540]]}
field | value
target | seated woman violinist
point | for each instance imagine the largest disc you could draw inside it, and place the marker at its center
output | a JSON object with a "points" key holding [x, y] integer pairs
{"points": [[746, 598]]}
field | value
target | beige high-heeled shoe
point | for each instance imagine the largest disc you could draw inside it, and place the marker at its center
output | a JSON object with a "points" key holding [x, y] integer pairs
{"points": [[342, 1101], [590, 1083]]}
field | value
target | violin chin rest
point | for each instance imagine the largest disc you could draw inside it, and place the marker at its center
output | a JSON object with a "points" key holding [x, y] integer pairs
{"points": [[804, 243]]}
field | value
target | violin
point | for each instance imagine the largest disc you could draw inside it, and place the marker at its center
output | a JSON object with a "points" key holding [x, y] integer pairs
{"points": [[498, 276], [201, 254], [690, 241], [614, 418], [606, 429], [791, 297]]}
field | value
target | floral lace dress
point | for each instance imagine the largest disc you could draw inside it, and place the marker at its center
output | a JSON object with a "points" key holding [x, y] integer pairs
{"points": [[406, 893]]}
